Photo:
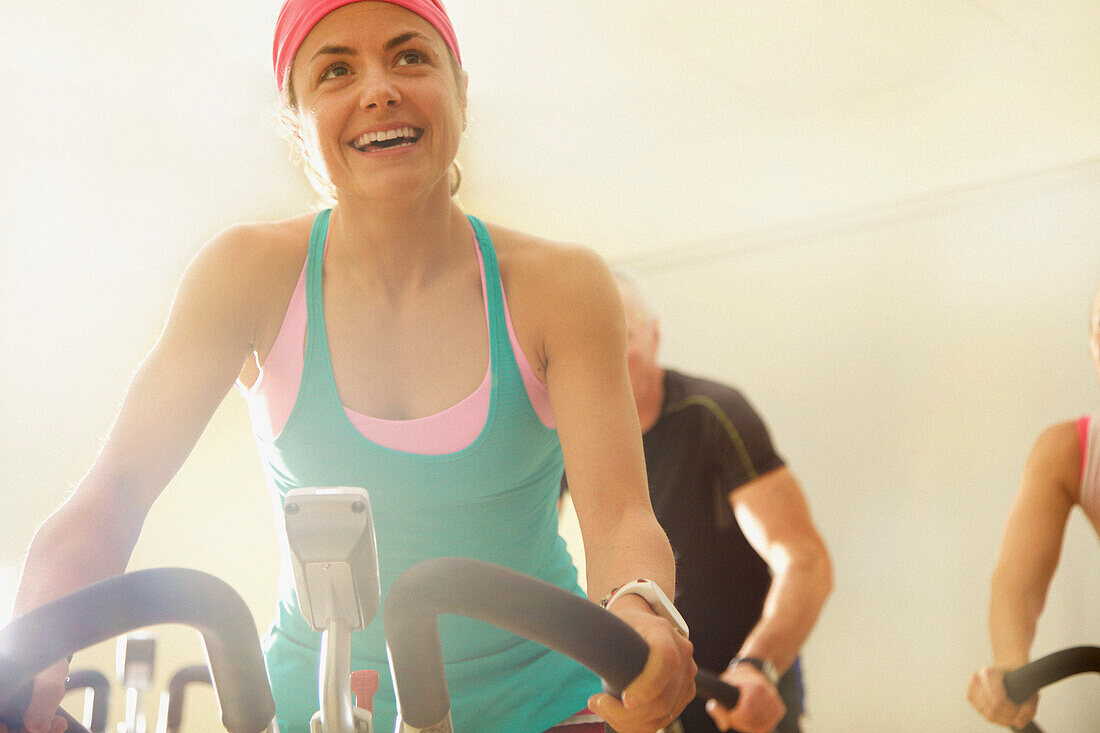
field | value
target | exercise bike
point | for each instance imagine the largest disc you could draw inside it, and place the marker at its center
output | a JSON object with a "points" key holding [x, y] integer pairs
{"points": [[170, 713], [136, 654], [112, 607], [336, 572], [97, 691], [331, 539]]}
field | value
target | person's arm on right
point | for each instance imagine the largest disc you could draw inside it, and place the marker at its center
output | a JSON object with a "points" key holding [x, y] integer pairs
{"points": [[1029, 555], [208, 335], [775, 517]]}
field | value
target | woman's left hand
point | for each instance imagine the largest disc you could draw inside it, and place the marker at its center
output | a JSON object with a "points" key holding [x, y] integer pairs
{"points": [[986, 693], [667, 682]]}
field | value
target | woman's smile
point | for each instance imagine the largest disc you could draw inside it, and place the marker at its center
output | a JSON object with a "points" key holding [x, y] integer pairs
{"points": [[388, 139]]}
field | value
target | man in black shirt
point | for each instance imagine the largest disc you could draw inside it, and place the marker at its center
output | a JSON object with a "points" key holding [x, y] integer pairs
{"points": [[752, 572]]}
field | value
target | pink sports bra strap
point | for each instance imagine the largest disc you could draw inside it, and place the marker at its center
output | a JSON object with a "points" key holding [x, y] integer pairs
{"points": [[1089, 496], [1083, 440]]}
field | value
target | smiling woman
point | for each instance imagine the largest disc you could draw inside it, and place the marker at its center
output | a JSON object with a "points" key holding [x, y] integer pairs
{"points": [[295, 22], [452, 368]]}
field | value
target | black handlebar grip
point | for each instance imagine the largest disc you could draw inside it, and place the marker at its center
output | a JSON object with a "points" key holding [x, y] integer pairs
{"points": [[1022, 683], [112, 607], [708, 686], [512, 601], [11, 710]]}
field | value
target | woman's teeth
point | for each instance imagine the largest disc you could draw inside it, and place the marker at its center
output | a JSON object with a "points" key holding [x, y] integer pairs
{"points": [[381, 139]]}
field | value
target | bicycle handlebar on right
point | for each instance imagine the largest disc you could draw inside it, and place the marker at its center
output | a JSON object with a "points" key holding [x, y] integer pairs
{"points": [[109, 608], [1022, 683], [518, 603]]}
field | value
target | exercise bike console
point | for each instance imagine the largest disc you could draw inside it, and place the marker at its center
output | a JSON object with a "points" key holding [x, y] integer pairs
{"points": [[330, 534]]}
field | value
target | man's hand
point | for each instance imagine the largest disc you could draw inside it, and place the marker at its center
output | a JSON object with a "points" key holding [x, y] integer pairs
{"points": [[759, 708]]}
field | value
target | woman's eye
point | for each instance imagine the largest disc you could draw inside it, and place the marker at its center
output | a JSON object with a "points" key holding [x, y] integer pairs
{"points": [[334, 71], [410, 57]]}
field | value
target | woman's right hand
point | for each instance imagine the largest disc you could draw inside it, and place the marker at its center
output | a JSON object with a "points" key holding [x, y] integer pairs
{"points": [[987, 694], [667, 682], [41, 714]]}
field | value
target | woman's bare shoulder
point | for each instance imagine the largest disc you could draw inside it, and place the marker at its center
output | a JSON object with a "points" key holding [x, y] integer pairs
{"points": [[562, 296], [1059, 441], [1057, 454], [248, 241], [542, 263], [254, 257], [246, 273]]}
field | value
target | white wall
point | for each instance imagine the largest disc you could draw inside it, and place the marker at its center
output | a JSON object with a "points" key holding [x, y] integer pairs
{"points": [[906, 359]]}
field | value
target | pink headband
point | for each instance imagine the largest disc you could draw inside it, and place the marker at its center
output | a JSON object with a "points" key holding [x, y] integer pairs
{"points": [[298, 17]]}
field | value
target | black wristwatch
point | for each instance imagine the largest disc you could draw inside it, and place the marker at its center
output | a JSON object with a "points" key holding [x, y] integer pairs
{"points": [[765, 667]]}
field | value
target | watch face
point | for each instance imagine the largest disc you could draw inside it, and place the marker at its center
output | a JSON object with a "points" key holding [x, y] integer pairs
{"points": [[764, 666]]}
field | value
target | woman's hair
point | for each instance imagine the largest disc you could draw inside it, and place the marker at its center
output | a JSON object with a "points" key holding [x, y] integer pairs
{"points": [[289, 125]]}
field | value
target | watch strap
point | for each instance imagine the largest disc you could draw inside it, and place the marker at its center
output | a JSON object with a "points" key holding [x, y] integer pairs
{"points": [[652, 594], [765, 666]]}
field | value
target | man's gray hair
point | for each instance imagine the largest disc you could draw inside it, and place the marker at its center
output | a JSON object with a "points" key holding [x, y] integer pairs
{"points": [[628, 278]]}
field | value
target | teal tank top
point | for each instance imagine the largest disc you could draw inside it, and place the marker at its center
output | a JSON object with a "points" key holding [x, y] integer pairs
{"points": [[495, 500]]}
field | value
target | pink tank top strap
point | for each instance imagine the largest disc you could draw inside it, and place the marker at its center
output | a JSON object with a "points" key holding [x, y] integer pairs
{"points": [[1083, 439], [1089, 438]]}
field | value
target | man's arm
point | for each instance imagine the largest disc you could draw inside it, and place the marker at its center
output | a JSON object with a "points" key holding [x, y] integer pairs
{"points": [[775, 519], [773, 515]]}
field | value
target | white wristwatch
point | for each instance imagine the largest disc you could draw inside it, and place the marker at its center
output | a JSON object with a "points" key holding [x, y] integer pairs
{"points": [[652, 594]]}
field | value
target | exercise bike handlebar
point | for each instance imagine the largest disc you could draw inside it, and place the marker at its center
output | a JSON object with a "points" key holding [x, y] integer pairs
{"points": [[100, 687], [1023, 682], [177, 686], [512, 601], [109, 608]]}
